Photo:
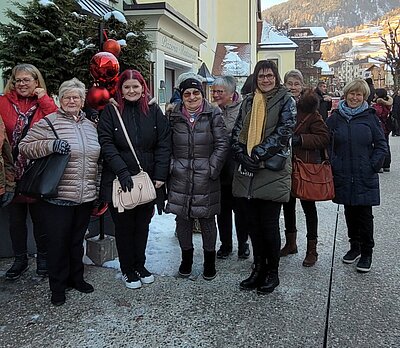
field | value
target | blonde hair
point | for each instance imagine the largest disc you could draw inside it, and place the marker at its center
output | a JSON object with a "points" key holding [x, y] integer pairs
{"points": [[357, 85], [30, 69]]}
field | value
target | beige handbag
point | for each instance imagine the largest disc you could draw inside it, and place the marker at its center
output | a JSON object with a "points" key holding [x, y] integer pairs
{"points": [[143, 190]]}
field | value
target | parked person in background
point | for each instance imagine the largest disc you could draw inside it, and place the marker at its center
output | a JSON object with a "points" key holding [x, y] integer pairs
{"points": [[225, 96], [310, 138], [263, 129], [371, 96], [199, 149], [358, 150], [24, 103], [149, 133], [7, 171], [66, 217], [247, 86], [325, 100], [383, 105], [396, 113]]}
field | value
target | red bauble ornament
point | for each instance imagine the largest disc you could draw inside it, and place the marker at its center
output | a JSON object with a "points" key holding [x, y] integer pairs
{"points": [[112, 46], [104, 67], [98, 97]]}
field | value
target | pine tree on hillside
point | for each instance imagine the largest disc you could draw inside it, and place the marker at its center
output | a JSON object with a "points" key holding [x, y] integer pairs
{"points": [[60, 42]]}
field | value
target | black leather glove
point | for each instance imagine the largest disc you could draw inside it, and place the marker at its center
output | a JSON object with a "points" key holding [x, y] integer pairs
{"points": [[6, 199], [296, 140], [125, 180], [61, 146], [248, 163], [160, 199]]}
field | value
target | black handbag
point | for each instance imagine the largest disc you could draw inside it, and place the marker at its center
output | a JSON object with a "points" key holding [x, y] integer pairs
{"points": [[277, 162], [42, 175]]}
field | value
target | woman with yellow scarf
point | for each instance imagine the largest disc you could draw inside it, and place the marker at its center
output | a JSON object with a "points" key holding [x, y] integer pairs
{"points": [[262, 179]]}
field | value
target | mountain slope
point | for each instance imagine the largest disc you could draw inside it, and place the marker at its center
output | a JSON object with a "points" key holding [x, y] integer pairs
{"points": [[329, 14]]}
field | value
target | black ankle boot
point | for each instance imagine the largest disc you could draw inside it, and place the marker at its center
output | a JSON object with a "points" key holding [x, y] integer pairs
{"points": [[271, 282], [41, 265], [209, 272], [20, 266], [257, 276], [185, 269], [57, 298]]}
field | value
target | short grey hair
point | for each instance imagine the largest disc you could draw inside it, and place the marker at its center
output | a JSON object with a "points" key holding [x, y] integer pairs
{"points": [[295, 74], [228, 82], [72, 85], [188, 75]]}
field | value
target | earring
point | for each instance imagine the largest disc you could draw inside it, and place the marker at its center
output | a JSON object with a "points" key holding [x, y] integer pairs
{"points": [[142, 95]]}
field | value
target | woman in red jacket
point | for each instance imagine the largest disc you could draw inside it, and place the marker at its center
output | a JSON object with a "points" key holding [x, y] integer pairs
{"points": [[25, 101]]}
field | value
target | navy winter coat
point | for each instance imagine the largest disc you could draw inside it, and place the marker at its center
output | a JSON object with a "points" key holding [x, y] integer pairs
{"points": [[358, 150]]}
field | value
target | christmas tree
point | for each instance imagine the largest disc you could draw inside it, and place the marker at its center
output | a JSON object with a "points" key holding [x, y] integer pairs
{"points": [[59, 41]]}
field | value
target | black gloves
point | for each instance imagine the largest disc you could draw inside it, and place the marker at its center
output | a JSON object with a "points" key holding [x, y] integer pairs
{"points": [[61, 146], [248, 163], [296, 140], [6, 199], [160, 199], [125, 180]]}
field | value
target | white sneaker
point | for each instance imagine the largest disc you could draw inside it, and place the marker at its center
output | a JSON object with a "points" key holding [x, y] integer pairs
{"points": [[145, 276], [132, 280]]}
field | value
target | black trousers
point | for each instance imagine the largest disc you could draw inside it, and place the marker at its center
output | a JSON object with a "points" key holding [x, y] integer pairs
{"points": [[184, 231], [388, 157], [131, 234], [310, 211], [66, 227], [18, 213], [360, 227], [263, 227], [224, 219]]}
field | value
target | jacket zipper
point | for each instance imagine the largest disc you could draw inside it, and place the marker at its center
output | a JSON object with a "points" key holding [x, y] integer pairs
{"points": [[82, 143]]}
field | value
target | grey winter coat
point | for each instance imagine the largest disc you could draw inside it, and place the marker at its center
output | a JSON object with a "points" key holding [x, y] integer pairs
{"points": [[80, 180], [281, 119], [198, 155]]}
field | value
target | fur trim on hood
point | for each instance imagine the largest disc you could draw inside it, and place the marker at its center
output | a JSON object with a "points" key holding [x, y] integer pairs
{"points": [[382, 101]]}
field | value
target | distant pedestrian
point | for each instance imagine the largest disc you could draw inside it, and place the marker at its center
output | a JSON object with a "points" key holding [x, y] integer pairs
{"points": [[325, 100], [383, 105], [199, 148], [371, 96], [358, 151], [225, 96], [395, 115]]}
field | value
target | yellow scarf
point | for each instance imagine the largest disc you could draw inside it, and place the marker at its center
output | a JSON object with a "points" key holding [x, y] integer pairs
{"points": [[258, 118]]}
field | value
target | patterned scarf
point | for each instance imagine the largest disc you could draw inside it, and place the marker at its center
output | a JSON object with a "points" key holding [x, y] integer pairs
{"points": [[192, 117], [23, 121]]}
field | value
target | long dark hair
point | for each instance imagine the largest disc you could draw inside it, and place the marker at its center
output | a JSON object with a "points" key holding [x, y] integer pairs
{"points": [[262, 65], [131, 74]]}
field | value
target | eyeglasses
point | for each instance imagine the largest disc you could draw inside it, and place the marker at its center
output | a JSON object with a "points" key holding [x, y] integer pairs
{"points": [[217, 91], [74, 98], [24, 81], [267, 76], [195, 93], [293, 84]]}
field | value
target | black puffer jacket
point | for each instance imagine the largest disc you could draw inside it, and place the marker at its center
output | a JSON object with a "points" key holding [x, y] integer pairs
{"points": [[198, 155], [150, 136]]}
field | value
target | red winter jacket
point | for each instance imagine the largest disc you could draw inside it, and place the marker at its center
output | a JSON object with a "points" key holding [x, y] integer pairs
{"points": [[382, 108], [7, 111]]}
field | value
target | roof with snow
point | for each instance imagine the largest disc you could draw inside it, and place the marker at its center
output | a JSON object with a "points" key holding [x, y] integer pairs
{"points": [[272, 38], [325, 69], [313, 32]]}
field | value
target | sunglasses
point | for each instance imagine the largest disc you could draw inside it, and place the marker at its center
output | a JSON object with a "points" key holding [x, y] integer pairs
{"points": [[195, 93]]}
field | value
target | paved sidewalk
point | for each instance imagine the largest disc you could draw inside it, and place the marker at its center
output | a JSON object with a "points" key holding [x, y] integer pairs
{"points": [[174, 312]]}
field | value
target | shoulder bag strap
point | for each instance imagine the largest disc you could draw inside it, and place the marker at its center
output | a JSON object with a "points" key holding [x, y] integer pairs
{"points": [[301, 123], [51, 126], [127, 136]]}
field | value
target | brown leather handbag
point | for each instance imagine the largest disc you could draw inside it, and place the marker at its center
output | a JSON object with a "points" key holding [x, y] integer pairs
{"points": [[312, 181]]}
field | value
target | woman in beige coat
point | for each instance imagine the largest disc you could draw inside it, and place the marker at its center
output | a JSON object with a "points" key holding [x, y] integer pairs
{"points": [[66, 217]]}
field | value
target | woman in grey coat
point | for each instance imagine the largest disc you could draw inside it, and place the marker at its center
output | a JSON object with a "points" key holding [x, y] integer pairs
{"points": [[199, 148]]}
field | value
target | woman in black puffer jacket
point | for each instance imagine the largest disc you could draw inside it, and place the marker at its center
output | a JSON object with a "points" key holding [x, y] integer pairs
{"points": [[199, 148]]}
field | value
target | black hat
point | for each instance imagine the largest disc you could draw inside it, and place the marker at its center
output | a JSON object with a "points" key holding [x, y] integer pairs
{"points": [[190, 83]]}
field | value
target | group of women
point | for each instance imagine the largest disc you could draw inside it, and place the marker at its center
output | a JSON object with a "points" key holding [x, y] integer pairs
{"points": [[190, 149]]}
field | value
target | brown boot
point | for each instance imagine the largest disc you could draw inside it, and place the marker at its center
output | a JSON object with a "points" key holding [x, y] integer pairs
{"points": [[312, 255], [290, 246]]}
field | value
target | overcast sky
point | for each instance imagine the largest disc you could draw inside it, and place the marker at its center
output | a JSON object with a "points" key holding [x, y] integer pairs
{"points": [[268, 3]]}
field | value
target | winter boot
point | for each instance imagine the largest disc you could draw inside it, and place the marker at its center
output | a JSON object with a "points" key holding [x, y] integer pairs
{"points": [[41, 265], [353, 254], [209, 272], [290, 245], [311, 255], [257, 276], [270, 283], [20, 266], [185, 269]]}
